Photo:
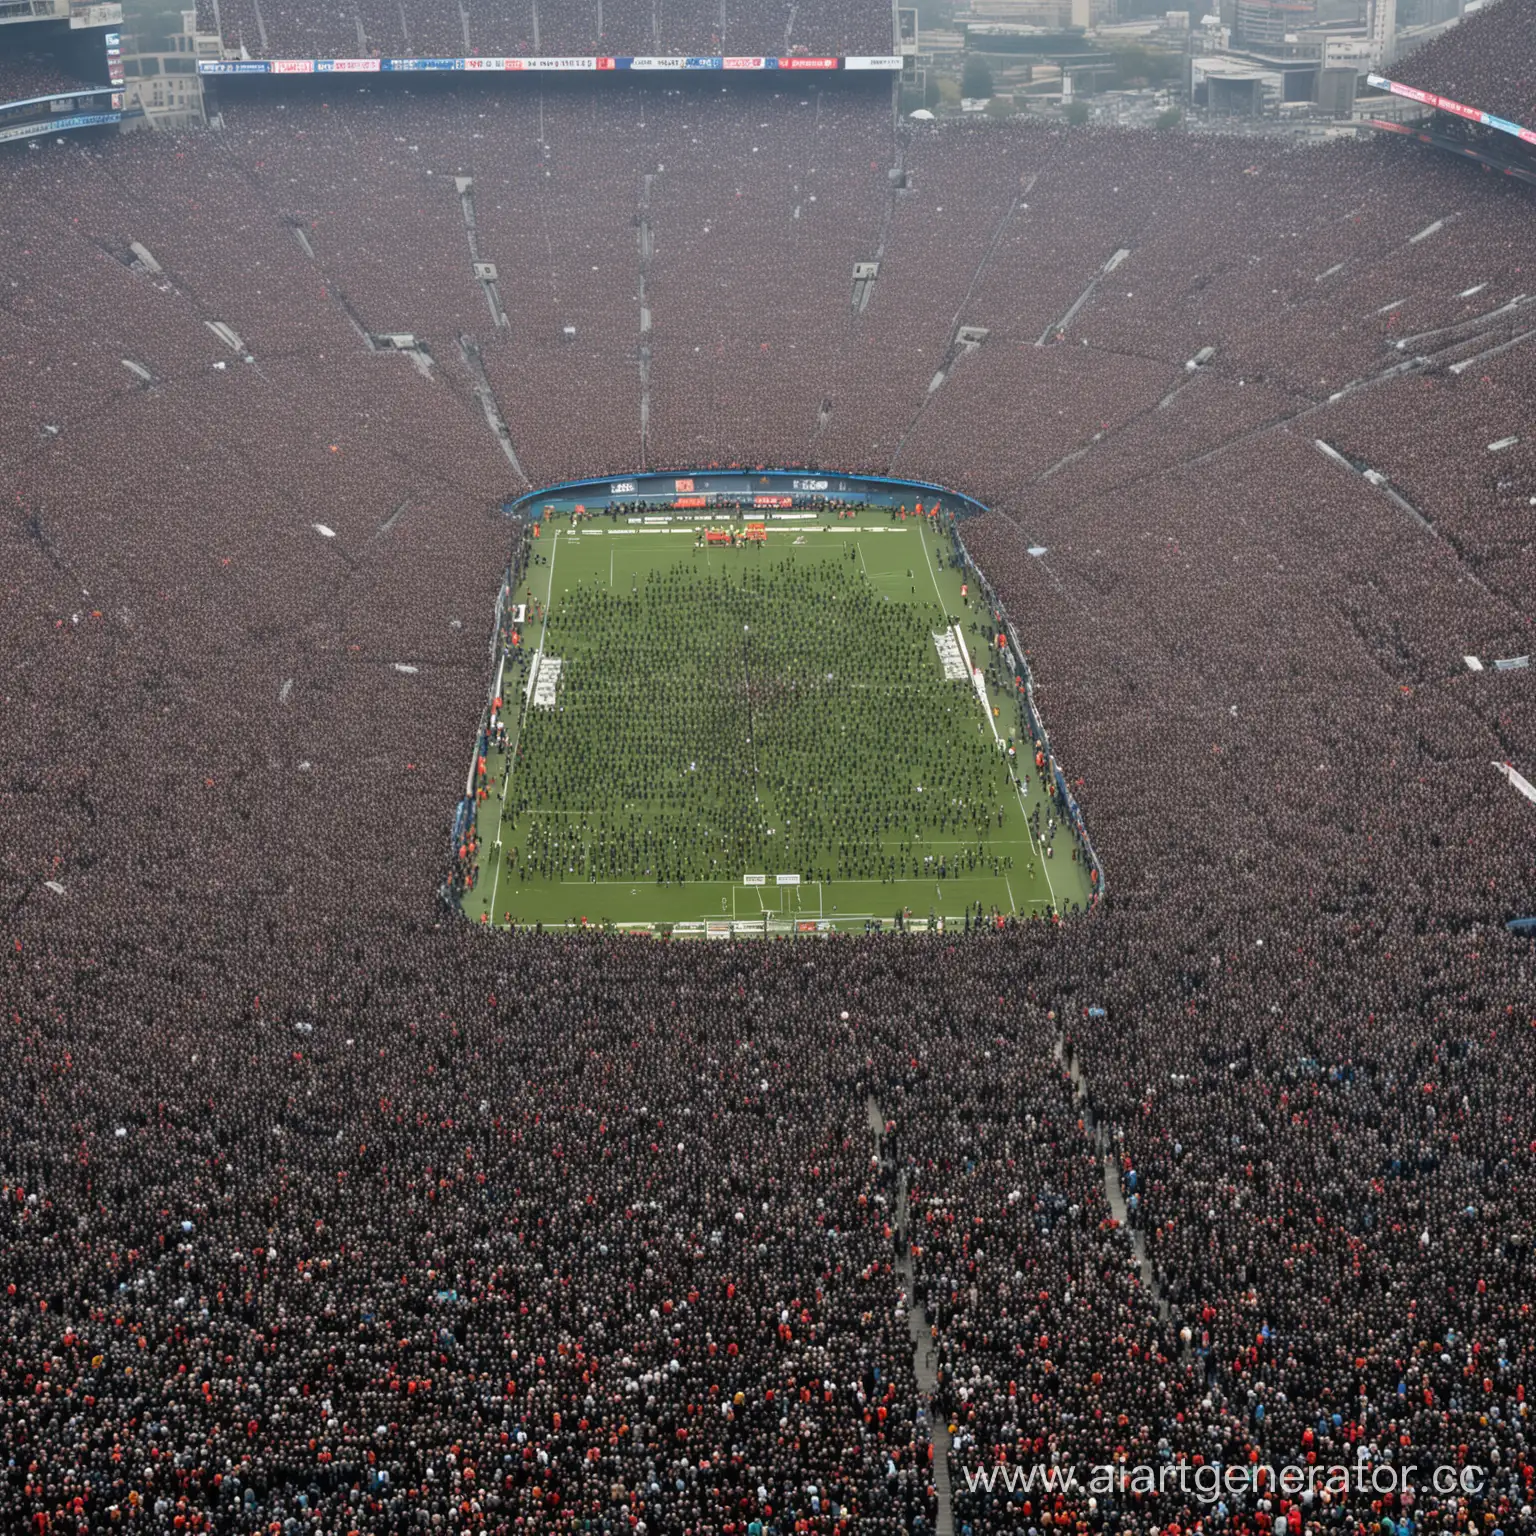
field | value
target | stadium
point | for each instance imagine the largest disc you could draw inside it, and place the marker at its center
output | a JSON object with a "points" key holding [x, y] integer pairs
{"points": [[1190, 1188]]}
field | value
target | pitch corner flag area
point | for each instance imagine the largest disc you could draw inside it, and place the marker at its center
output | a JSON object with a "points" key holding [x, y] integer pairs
{"points": [[752, 728]]}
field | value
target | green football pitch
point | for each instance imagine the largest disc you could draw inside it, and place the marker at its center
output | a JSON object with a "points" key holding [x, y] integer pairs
{"points": [[775, 737]]}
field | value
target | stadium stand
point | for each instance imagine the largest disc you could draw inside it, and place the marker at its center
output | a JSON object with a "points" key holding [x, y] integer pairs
{"points": [[1487, 61], [321, 1212], [524, 29], [24, 77]]}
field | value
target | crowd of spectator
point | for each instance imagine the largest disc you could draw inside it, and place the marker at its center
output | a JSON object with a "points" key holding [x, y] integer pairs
{"points": [[551, 28], [321, 1212], [1487, 60], [25, 76]]}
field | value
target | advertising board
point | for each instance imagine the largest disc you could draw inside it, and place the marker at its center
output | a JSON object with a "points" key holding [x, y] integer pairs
{"points": [[565, 64]]}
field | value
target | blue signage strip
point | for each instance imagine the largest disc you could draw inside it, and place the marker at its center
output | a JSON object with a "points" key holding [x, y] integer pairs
{"points": [[59, 125], [796, 487]]}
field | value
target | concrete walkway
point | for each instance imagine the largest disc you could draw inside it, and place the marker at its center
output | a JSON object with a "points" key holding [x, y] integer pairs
{"points": [[923, 1353], [1113, 1192]]}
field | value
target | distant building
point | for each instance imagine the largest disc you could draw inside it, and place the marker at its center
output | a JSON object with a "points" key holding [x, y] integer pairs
{"points": [[1381, 31], [164, 90], [1050, 14], [1262, 22], [1225, 86]]}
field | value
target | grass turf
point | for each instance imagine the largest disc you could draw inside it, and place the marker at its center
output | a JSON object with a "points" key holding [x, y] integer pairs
{"points": [[759, 710]]}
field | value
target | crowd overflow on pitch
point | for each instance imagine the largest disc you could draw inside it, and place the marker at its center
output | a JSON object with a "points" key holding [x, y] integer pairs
{"points": [[762, 704]]}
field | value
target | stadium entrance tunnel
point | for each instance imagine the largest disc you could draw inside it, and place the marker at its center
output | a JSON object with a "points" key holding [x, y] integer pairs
{"points": [[732, 703]]}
